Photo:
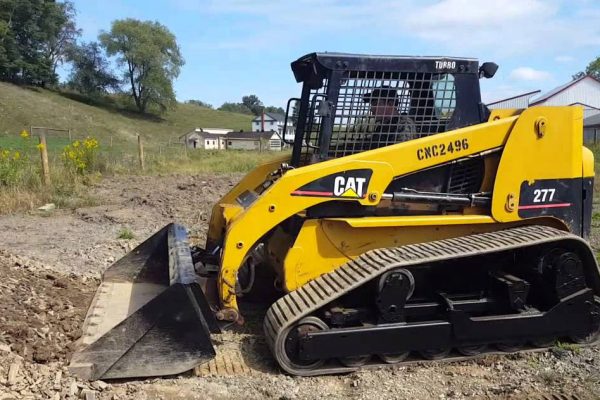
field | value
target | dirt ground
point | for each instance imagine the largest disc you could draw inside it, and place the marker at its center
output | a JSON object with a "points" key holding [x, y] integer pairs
{"points": [[50, 264]]}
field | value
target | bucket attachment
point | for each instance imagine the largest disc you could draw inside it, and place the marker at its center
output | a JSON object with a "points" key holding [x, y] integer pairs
{"points": [[149, 316]]}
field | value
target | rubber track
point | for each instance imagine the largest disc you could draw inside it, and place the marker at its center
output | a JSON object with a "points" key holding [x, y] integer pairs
{"points": [[291, 308]]}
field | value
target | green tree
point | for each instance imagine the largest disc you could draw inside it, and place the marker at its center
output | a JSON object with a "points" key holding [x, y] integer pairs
{"points": [[32, 38], [200, 103], [250, 104], [58, 46], [149, 53], [593, 68], [273, 109], [235, 107], [90, 74], [253, 103]]}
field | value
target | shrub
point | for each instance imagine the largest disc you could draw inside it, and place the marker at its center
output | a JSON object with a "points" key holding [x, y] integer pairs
{"points": [[125, 233], [81, 156], [12, 165]]}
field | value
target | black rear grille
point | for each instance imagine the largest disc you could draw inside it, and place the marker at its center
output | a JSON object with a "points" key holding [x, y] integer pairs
{"points": [[466, 177]]}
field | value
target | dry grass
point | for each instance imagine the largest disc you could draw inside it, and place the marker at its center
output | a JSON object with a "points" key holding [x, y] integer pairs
{"points": [[207, 161], [65, 191], [69, 189]]}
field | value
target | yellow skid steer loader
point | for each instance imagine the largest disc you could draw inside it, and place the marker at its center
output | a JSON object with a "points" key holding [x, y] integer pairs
{"points": [[408, 222]]}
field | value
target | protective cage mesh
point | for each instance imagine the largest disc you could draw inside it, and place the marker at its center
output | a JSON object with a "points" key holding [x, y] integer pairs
{"points": [[375, 109]]}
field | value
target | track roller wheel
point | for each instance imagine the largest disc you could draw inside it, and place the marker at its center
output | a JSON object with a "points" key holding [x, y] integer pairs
{"points": [[434, 354], [393, 358], [288, 352], [545, 341], [354, 361], [594, 335], [510, 346], [471, 350], [586, 339]]}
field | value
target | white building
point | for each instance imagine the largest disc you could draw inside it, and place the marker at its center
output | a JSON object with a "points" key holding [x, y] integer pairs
{"points": [[205, 138], [216, 131], [260, 141], [591, 129], [214, 142], [584, 92], [273, 122], [519, 101]]}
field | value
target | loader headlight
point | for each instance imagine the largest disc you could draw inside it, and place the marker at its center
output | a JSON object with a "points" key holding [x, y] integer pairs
{"points": [[246, 198]]}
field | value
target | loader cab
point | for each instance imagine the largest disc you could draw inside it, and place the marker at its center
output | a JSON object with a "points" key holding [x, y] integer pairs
{"points": [[352, 103]]}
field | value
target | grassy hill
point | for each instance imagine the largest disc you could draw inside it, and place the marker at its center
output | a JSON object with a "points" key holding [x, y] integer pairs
{"points": [[21, 186], [21, 108]]}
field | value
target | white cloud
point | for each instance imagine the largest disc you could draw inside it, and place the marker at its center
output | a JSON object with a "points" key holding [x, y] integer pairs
{"points": [[505, 28], [460, 27], [529, 74], [564, 59], [544, 34]]}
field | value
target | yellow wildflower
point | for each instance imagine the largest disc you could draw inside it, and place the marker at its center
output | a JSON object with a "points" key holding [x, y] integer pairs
{"points": [[16, 155], [40, 146], [24, 134], [5, 154], [90, 143], [76, 143]]}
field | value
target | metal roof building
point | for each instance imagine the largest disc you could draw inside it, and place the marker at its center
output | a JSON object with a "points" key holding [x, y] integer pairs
{"points": [[591, 129], [584, 91], [519, 101]]}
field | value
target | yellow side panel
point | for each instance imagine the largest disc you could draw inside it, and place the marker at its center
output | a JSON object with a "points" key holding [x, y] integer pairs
{"points": [[413, 220], [313, 254], [545, 143], [324, 245], [588, 162]]}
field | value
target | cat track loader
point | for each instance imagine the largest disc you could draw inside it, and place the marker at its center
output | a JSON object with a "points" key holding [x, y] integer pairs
{"points": [[408, 222]]}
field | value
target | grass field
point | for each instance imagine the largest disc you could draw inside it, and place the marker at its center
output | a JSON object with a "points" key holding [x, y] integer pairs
{"points": [[116, 130], [21, 108]]}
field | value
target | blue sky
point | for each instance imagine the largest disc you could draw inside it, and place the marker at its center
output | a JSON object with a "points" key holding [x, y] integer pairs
{"points": [[238, 47]]}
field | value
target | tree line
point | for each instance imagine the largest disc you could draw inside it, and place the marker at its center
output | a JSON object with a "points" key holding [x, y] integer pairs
{"points": [[36, 36], [592, 69], [250, 104]]}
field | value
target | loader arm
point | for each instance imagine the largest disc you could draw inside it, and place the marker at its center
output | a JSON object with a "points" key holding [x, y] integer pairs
{"points": [[253, 179], [278, 202], [519, 134]]}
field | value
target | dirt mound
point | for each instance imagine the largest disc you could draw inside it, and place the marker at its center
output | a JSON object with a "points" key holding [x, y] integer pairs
{"points": [[41, 311]]}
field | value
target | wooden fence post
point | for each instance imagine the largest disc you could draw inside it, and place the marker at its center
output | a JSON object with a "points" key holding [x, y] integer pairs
{"points": [[185, 145], [44, 154], [70, 137], [141, 152]]}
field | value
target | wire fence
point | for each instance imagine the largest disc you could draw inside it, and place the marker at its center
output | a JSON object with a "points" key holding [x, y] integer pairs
{"points": [[117, 155]]}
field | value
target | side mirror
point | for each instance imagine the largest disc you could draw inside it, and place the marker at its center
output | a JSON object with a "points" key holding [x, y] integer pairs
{"points": [[488, 70]]}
